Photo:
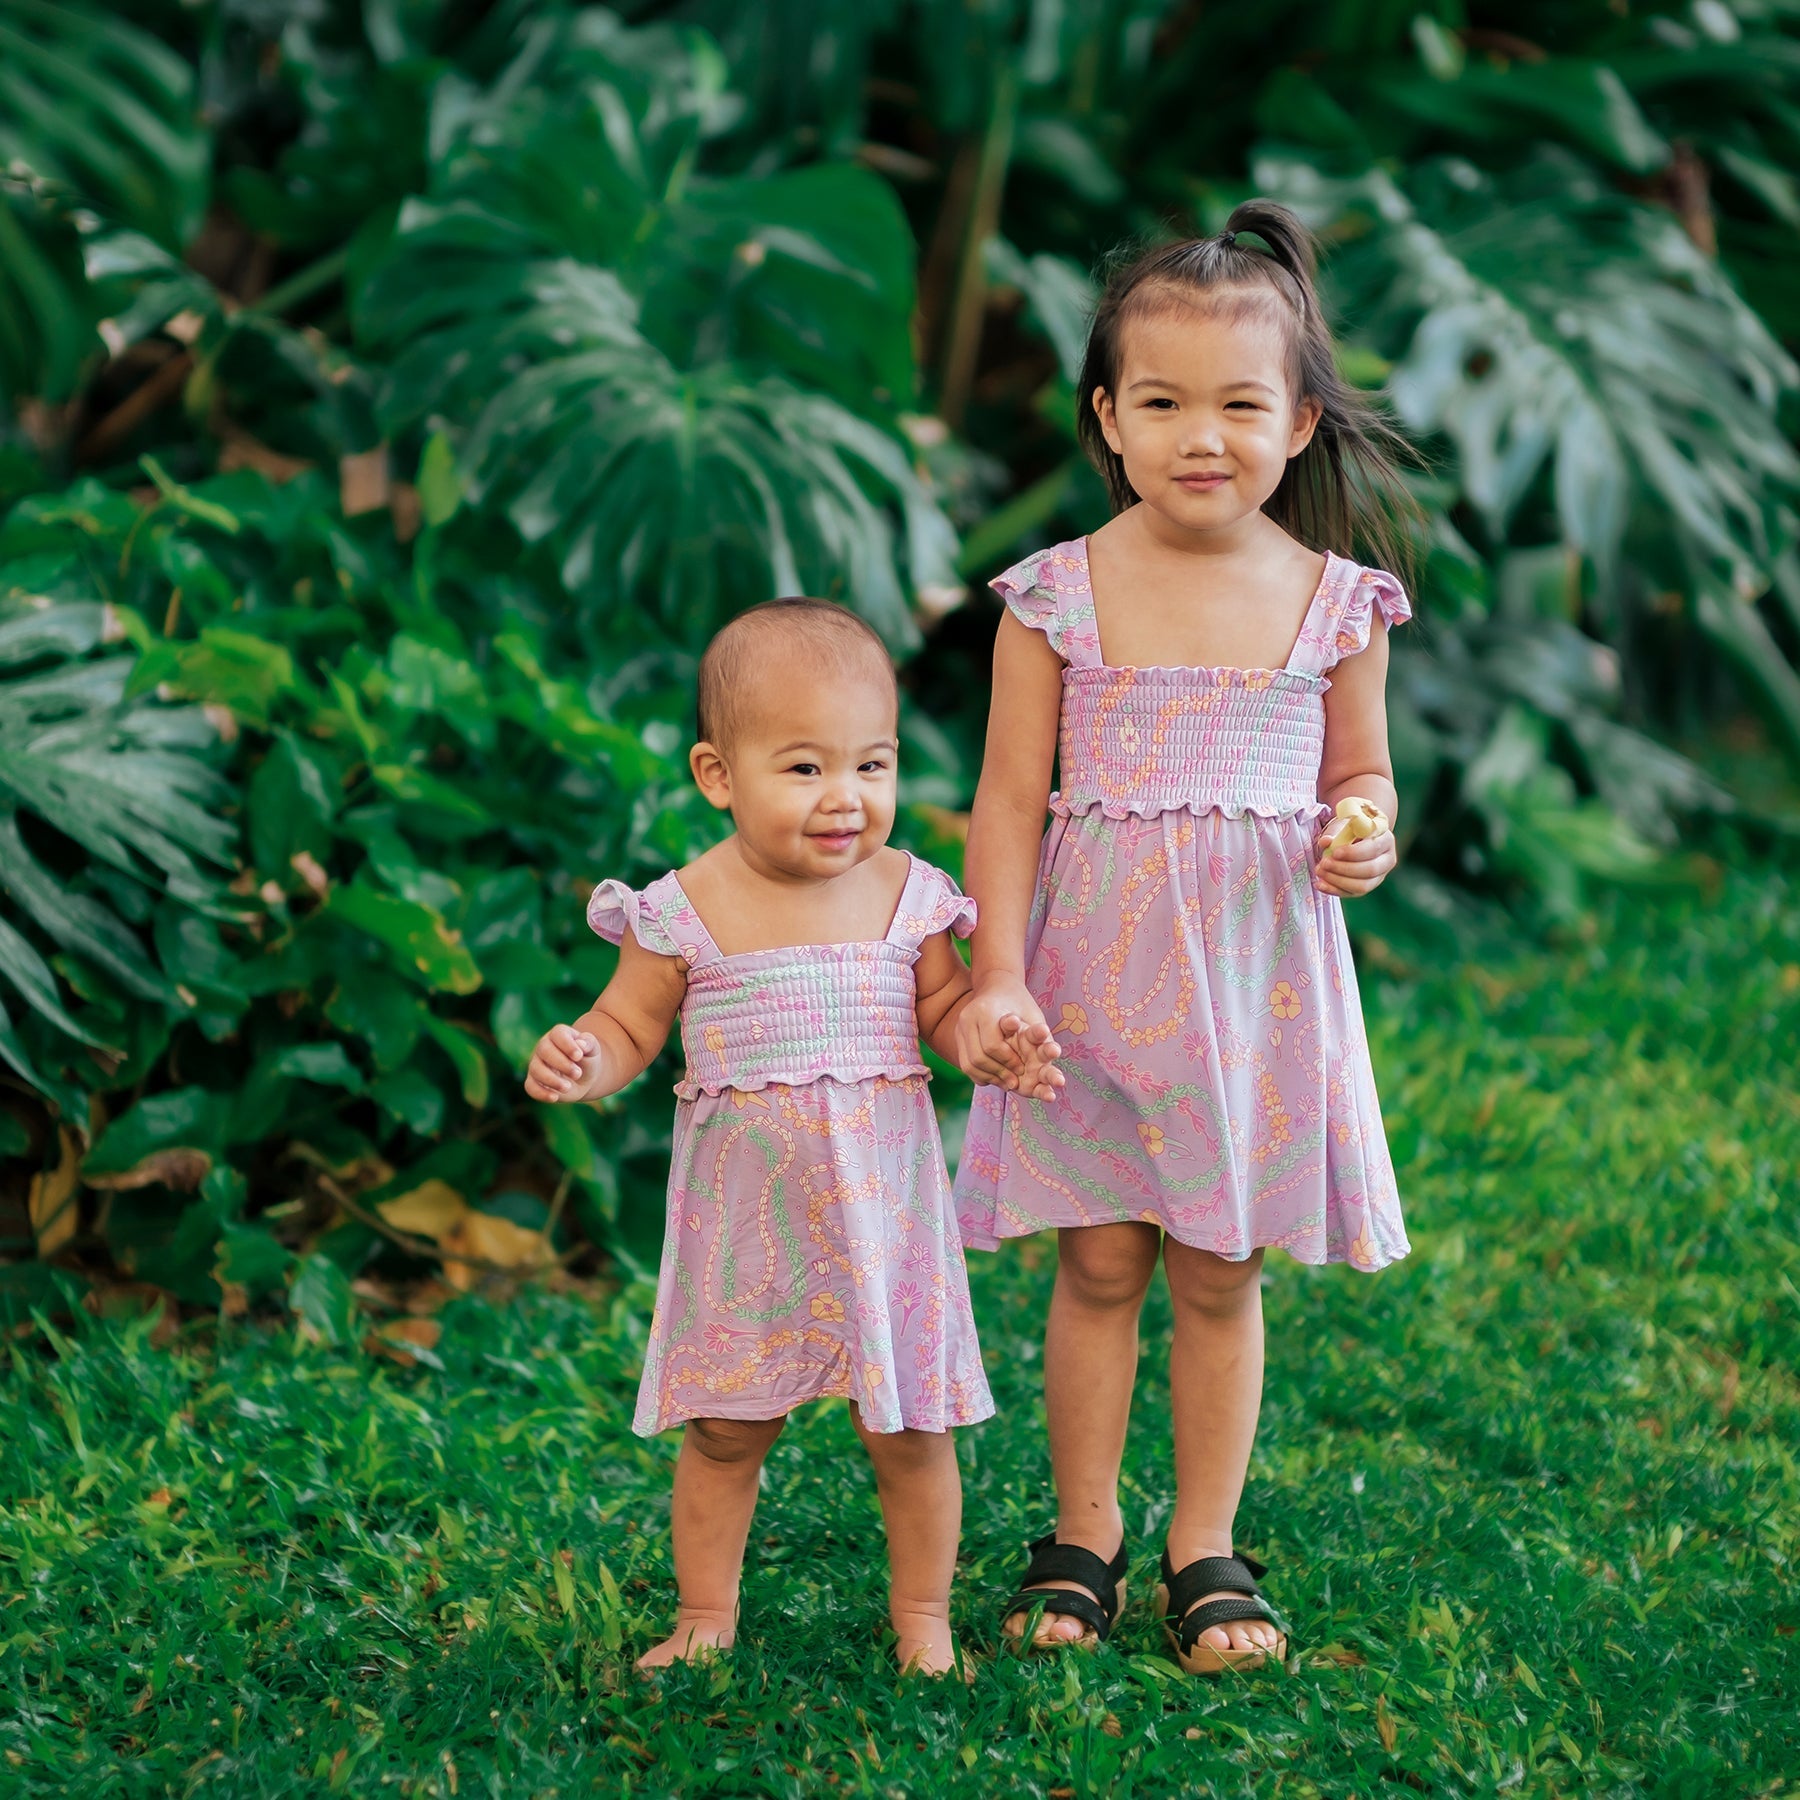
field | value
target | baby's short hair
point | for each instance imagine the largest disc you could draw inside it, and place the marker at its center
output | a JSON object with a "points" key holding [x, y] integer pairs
{"points": [[743, 652]]}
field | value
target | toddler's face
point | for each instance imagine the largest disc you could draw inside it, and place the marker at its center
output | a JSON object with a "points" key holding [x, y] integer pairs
{"points": [[1203, 416], [809, 777]]}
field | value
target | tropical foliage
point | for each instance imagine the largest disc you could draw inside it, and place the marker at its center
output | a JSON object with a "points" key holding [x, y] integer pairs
{"points": [[395, 397]]}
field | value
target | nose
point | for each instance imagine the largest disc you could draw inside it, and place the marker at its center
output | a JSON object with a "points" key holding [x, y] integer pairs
{"points": [[841, 797], [1204, 436]]}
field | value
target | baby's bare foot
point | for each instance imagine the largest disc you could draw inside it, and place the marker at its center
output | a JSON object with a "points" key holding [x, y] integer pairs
{"points": [[926, 1645], [696, 1637]]}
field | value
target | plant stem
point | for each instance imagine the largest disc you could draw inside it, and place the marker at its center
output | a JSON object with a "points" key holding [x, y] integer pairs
{"points": [[303, 284], [963, 344]]}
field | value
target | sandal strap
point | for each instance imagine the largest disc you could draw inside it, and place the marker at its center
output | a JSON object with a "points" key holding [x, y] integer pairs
{"points": [[1209, 1575], [1218, 1612], [1065, 1602], [1051, 1561]]}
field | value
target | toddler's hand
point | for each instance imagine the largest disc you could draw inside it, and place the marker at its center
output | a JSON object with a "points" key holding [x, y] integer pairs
{"points": [[988, 1042], [565, 1065], [1351, 869], [1039, 1077]]}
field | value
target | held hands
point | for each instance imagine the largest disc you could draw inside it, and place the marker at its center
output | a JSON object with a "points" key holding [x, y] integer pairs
{"points": [[1356, 850], [566, 1065], [1002, 1041]]}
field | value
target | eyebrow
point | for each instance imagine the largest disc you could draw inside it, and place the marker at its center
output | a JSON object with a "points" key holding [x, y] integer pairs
{"points": [[886, 743], [1231, 387]]}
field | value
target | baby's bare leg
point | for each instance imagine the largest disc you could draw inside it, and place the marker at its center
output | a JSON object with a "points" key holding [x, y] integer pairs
{"points": [[715, 1495], [921, 1504], [1215, 1387]]}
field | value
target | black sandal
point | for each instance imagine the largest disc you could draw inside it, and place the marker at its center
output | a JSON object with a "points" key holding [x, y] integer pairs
{"points": [[1184, 1619], [1096, 1609]]}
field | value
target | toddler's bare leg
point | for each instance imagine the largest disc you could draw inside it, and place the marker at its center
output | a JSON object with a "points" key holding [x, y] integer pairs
{"points": [[1090, 1362], [920, 1488], [715, 1495], [1215, 1387]]}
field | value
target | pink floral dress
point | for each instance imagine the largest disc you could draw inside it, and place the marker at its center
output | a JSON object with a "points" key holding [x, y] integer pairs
{"points": [[811, 1247], [1201, 987]]}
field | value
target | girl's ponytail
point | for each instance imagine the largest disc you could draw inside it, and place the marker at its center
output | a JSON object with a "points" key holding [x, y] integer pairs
{"points": [[1291, 246], [1344, 492]]}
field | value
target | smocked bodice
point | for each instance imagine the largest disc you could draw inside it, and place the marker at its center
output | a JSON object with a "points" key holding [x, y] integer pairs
{"points": [[800, 1013], [1235, 741], [1159, 740]]}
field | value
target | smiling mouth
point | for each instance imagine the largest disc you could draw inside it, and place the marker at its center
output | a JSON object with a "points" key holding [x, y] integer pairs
{"points": [[1210, 478], [835, 840]]}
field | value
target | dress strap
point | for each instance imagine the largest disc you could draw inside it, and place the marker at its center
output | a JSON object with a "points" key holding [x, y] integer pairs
{"points": [[1341, 617], [930, 902], [660, 918], [1050, 592]]}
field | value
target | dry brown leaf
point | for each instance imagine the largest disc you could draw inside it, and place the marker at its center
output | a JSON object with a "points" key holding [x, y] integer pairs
{"points": [[363, 484], [162, 1497], [393, 1338], [52, 1199], [180, 1167], [494, 1240], [307, 867], [131, 1300], [1384, 1725], [432, 1210]]}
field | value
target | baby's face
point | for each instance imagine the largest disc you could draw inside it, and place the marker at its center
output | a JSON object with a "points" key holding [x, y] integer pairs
{"points": [[810, 776], [1203, 417]]}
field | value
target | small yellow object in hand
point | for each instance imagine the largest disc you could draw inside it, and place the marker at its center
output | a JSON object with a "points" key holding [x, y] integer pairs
{"points": [[1356, 820]]}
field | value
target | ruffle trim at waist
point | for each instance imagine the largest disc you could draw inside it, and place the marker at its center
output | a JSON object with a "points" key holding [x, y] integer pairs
{"points": [[1065, 806], [691, 1087]]}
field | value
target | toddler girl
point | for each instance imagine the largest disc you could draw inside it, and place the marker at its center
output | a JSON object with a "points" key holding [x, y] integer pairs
{"points": [[1209, 671], [810, 1247]]}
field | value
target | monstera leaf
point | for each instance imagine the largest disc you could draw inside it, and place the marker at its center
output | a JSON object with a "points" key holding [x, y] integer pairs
{"points": [[689, 387], [94, 114], [1554, 331], [102, 107], [97, 793]]}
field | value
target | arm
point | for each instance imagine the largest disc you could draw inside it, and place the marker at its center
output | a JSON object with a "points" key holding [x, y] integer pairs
{"points": [[1356, 762], [614, 1041], [1005, 829], [943, 983]]}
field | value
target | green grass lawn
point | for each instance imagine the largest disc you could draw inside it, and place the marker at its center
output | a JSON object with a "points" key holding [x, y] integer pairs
{"points": [[1530, 1498]]}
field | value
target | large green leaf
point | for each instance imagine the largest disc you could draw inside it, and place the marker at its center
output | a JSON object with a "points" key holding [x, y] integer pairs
{"points": [[1546, 325], [687, 385], [94, 102]]}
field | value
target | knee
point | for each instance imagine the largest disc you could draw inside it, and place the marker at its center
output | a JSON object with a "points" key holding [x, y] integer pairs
{"points": [[1209, 1287], [731, 1441], [1103, 1273], [904, 1452]]}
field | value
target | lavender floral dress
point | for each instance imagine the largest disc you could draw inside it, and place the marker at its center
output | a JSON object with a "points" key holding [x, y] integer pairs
{"points": [[1201, 987], [810, 1247]]}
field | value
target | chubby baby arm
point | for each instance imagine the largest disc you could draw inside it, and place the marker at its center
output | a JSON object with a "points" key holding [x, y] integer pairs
{"points": [[1357, 766], [945, 1001], [614, 1041]]}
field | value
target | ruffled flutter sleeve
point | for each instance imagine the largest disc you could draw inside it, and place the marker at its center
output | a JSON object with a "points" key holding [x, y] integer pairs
{"points": [[1374, 591], [931, 903], [1050, 592], [614, 909]]}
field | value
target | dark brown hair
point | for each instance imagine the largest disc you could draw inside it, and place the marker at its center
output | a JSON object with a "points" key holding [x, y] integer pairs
{"points": [[749, 649], [1344, 492]]}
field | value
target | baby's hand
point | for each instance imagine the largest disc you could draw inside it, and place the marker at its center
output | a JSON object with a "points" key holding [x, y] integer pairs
{"points": [[1038, 1076], [988, 1045], [565, 1065], [1351, 868]]}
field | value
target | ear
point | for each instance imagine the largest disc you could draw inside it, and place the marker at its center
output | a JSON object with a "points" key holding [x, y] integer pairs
{"points": [[712, 774], [1306, 421], [1105, 412]]}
